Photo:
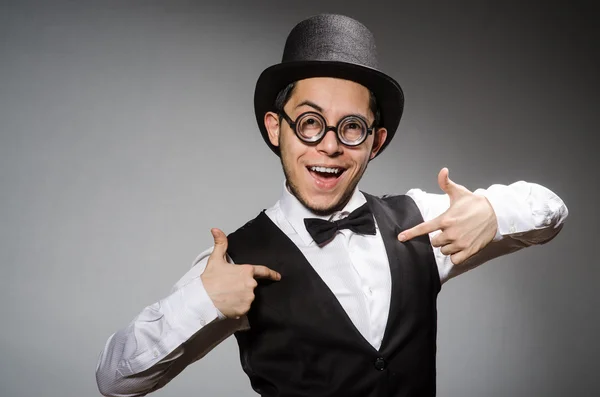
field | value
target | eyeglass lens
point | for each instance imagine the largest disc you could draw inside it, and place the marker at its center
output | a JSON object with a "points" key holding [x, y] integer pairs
{"points": [[311, 127]]}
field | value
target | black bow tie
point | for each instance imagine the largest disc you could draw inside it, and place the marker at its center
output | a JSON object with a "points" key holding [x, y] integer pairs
{"points": [[359, 221]]}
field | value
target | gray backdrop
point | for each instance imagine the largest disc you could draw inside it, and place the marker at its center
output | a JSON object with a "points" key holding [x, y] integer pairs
{"points": [[127, 132]]}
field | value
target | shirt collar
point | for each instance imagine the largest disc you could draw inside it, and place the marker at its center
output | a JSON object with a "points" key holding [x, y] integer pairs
{"points": [[295, 212]]}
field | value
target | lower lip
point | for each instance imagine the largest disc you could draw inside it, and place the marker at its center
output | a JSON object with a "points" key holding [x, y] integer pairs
{"points": [[325, 183]]}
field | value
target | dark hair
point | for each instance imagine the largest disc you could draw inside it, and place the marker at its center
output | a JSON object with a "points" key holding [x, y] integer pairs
{"points": [[284, 96]]}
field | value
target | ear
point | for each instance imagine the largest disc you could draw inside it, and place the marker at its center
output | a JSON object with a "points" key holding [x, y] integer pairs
{"points": [[379, 139], [272, 126]]}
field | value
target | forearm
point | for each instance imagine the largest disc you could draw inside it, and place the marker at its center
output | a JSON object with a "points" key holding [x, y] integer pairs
{"points": [[162, 340], [112, 368], [526, 213], [111, 382]]}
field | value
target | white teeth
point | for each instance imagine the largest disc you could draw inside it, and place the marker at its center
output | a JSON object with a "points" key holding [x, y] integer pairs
{"points": [[326, 169]]}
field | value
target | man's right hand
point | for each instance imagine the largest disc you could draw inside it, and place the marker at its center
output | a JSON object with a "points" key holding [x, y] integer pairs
{"points": [[231, 287]]}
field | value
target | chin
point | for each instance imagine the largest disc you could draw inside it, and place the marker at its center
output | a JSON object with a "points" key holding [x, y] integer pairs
{"points": [[321, 194], [324, 205], [323, 208]]}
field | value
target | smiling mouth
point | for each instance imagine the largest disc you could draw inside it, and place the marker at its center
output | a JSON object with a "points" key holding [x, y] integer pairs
{"points": [[326, 172], [325, 177]]}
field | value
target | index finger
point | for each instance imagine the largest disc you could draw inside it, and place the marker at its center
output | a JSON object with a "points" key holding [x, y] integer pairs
{"points": [[419, 230], [264, 272]]}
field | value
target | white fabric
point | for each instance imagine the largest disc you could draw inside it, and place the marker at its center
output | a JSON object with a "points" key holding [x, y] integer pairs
{"points": [[354, 267]]}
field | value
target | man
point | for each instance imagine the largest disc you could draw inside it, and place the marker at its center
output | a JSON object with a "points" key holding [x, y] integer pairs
{"points": [[331, 291]]}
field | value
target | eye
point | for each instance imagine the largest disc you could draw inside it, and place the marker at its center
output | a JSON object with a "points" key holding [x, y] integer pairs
{"points": [[311, 121], [353, 129], [310, 125]]}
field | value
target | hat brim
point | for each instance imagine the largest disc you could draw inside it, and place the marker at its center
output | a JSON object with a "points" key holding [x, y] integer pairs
{"points": [[388, 93]]}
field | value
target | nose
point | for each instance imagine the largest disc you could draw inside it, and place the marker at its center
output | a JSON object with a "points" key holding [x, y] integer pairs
{"points": [[330, 145]]}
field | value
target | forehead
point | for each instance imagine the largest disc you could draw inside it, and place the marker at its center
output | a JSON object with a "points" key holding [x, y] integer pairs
{"points": [[332, 94]]}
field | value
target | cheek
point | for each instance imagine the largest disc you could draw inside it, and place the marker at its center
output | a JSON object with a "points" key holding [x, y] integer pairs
{"points": [[291, 157], [292, 152], [361, 159]]}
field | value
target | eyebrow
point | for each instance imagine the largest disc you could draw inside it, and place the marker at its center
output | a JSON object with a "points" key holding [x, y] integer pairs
{"points": [[320, 109], [311, 104]]}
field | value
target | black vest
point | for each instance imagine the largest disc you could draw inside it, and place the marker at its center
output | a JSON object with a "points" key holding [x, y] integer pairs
{"points": [[301, 342]]}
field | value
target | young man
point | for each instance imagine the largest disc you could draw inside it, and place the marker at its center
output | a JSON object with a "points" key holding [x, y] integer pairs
{"points": [[331, 291]]}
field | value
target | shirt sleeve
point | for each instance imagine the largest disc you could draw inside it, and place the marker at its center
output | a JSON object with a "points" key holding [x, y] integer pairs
{"points": [[164, 338], [527, 214]]}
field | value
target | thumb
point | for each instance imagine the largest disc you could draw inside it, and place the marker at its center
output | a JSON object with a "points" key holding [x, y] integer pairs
{"points": [[220, 242], [447, 185]]}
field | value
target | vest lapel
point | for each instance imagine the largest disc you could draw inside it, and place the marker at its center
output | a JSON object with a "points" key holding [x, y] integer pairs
{"points": [[300, 279], [391, 223], [389, 231]]}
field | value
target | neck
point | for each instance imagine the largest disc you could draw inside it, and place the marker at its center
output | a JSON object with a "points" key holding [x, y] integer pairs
{"points": [[320, 212]]}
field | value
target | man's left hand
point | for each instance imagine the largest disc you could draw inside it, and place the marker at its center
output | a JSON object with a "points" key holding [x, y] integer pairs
{"points": [[466, 227]]}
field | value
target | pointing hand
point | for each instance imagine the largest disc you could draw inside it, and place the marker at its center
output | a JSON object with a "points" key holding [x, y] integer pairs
{"points": [[466, 227], [231, 287]]}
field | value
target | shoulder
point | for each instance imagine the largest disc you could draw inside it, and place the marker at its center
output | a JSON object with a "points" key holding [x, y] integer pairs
{"points": [[390, 199], [252, 226]]}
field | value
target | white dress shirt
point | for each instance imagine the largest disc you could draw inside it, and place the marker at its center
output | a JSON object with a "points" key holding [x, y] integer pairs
{"points": [[184, 326]]}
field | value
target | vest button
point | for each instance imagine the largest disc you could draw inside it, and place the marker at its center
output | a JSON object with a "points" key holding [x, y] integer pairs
{"points": [[380, 364]]}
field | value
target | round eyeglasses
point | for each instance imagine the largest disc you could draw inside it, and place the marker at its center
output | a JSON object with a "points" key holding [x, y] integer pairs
{"points": [[311, 127]]}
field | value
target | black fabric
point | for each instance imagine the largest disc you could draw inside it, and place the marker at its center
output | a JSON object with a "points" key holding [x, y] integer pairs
{"points": [[330, 45], [301, 342], [359, 221]]}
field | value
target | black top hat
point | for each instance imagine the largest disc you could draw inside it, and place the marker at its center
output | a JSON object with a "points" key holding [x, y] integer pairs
{"points": [[330, 46]]}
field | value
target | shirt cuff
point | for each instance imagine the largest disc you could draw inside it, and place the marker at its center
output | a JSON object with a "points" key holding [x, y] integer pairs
{"points": [[198, 304], [513, 215]]}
